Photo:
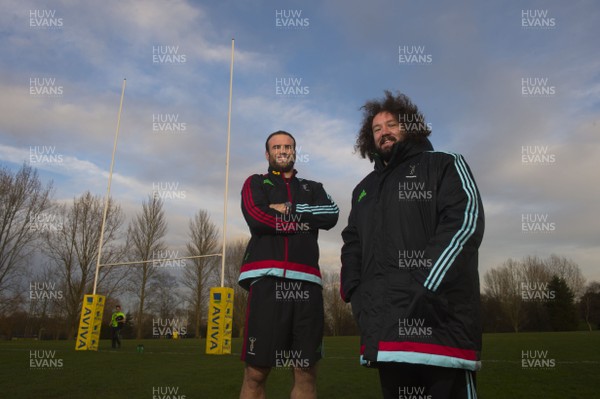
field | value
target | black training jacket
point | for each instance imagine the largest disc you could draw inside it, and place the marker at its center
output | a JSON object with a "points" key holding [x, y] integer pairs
{"points": [[284, 245], [409, 259]]}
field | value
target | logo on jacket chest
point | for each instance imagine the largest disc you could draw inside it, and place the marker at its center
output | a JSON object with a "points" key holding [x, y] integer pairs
{"points": [[411, 171]]}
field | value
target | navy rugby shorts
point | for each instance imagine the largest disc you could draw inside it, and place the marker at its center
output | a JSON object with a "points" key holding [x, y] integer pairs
{"points": [[284, 324]]}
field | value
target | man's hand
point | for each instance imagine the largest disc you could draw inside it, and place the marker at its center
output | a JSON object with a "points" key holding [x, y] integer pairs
{"points": [[281, 208]]}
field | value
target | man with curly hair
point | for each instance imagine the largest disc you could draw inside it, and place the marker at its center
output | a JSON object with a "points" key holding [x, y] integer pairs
{"points": [[409, 259]]}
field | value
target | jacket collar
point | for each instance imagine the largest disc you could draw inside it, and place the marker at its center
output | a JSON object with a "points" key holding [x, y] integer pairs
{"points": [[402, 151], [278, 175]]}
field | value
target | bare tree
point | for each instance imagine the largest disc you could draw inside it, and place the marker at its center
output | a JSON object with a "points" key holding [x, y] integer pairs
{"points": [[534, 270], [46, 304], [503, 284], [522, 287], [145, 235], [590, 305], [233, 261], [165, 302], [338, 314], [72, 246], [22, 199], [163, 305], [200, 272], [568, 270]]}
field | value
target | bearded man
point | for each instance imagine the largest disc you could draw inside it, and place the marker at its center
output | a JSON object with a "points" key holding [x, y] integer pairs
{"points": [[409, 259], [284, 319]]}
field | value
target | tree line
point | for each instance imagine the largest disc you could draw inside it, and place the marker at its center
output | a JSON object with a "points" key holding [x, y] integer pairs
{"points": [[539, 294], [48, 253], [158, 293]]}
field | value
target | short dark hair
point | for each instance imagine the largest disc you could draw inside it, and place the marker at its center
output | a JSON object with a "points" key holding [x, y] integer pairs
{"points": [[395, 105], [275, 134]]}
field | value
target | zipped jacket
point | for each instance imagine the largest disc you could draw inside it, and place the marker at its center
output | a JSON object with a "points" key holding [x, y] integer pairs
{"points": [[409, 259], [284, 245]]}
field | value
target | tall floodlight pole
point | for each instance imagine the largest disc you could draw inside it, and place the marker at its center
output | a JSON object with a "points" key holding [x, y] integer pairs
{"points": [[227, 168], [107, 198]]}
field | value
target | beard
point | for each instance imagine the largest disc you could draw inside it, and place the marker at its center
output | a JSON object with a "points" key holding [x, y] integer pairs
{"points": [[386, 154], [279, 166]]}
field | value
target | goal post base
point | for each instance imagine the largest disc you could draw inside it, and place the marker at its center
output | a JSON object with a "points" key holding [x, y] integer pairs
{"points": [[90, 323], [220, 321]]}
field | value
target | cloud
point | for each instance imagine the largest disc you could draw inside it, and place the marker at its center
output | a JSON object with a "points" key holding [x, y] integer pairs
{"points": [[471, 93]]}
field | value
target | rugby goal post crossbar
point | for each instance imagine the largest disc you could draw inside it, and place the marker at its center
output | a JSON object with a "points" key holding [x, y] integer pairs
{"points": [[157, 260]]}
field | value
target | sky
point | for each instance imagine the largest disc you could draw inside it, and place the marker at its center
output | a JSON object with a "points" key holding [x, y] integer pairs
{"points": [[513, 86]]}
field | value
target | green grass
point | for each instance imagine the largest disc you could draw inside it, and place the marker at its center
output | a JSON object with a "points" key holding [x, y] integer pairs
{"points": [[576, 373], [183, 365]]}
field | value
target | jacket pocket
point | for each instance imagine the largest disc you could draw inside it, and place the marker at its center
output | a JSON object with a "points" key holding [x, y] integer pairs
{"points": [[429, 308], [364, 302]]}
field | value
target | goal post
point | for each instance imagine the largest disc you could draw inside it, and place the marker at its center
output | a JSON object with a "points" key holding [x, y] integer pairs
{"points": [[220, 306], [92, 308], [220, 310]]}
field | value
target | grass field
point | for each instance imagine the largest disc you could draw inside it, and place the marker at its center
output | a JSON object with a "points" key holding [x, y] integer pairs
{"points": [[562, 365]]}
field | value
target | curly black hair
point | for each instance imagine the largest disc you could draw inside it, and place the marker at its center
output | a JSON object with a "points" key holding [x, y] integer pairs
{"points": [[408, 114]]}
